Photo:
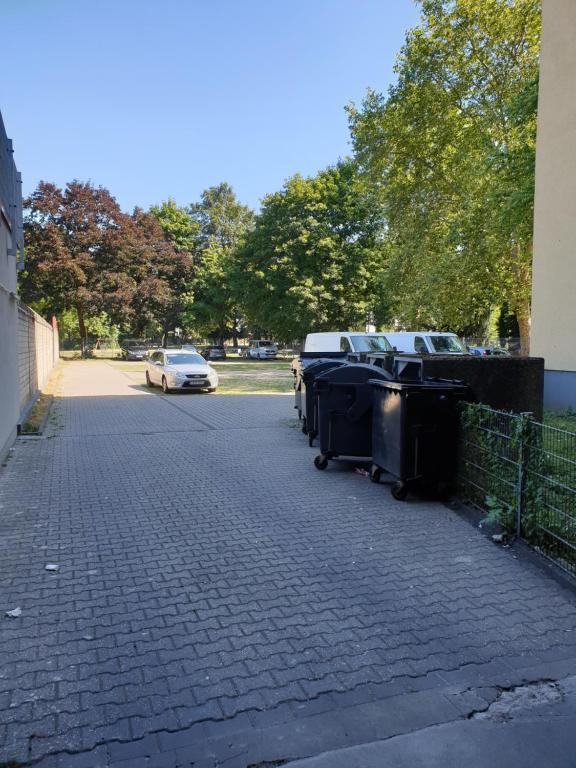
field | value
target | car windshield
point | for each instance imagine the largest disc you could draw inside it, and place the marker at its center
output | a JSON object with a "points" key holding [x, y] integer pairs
{"points": [[447, 344], [185, 359], [266, 343], [371, 344]]}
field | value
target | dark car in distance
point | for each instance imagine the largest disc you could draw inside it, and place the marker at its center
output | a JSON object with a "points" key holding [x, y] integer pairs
{"points": [[133, 349], [214, 352]]}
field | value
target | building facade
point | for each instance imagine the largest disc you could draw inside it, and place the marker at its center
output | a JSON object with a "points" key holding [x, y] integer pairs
{"points": [[554, 265], [11, 257]]}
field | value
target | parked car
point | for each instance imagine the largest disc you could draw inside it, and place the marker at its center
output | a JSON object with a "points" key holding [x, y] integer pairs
{"points": [[174, 369], [488, 351], [134, 350], [262, 349], [214, 353]]}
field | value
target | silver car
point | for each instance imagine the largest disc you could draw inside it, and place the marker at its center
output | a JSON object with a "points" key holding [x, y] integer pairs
{"points": [[179, 369]]}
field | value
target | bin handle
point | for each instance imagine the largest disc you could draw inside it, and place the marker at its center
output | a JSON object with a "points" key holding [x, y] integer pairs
{"points": [[356, 410]]}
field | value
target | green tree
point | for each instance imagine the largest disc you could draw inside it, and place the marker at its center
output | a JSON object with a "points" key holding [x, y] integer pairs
{"points": [[221, 224], [178, 226], [313, 259], [450, 149]]}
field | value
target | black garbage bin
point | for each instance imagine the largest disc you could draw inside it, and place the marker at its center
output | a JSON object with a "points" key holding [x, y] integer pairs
{"points": [[308, 394], [344, 411], [301, 364], [415, 432]]}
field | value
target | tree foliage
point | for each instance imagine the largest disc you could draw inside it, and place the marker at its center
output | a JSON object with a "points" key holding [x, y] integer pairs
{"points": [[221, 223], [312, 259], [451, 149], [83, 253]]}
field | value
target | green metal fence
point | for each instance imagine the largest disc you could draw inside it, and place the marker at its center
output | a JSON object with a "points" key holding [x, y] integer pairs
{"points": [[523, 474]]}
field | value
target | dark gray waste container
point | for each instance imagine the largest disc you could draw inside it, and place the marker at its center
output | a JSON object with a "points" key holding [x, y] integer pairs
{"points": [[345, 412], [309, 397], [415, 432], [300, 364]]}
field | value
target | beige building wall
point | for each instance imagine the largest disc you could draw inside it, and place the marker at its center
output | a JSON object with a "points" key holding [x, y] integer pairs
{"points": [[553, 334]]}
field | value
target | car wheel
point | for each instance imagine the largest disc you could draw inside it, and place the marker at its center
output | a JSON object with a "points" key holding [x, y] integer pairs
{"points": [[165, 387], [148, 380]]}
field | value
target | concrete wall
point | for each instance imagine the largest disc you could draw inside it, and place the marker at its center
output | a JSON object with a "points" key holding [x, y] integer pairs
{"points": [[554, 269], [38, 352]]}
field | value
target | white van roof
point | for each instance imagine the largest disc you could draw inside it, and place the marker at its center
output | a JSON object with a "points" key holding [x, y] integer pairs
{"points": [[329, 341]]}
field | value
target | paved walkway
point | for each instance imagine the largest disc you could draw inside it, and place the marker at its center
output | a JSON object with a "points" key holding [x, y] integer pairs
{"points": [[219, 602]]}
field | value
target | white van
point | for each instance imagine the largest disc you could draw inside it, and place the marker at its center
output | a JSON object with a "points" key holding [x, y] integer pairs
{"points": [[347, 341], [427, 342]]}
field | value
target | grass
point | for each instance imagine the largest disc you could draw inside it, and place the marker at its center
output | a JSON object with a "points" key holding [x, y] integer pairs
{"points": [[252, 385], [561, 419], [237, 376], [38, 414]]}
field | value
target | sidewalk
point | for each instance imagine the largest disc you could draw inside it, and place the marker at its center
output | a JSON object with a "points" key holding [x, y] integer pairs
{"points": [[218, 601]]}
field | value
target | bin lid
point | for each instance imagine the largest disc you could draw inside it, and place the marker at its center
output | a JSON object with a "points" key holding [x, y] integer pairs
{"points": [[415, 386], [354, 373], [312, 370]]}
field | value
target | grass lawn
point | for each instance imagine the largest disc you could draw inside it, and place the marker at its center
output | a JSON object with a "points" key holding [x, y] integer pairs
{"points": [[237, 376], [561, 419]]}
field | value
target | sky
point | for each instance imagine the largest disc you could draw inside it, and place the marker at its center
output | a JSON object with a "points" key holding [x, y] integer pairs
{"points": [[159, 99]]}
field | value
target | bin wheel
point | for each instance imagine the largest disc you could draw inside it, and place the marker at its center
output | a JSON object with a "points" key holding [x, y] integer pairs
{"points": [[400, 490], [311, 437], [320, 461], [375, 473]]}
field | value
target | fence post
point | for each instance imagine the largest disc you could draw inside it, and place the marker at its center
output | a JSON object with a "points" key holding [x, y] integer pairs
{"points": [[524, 425]]}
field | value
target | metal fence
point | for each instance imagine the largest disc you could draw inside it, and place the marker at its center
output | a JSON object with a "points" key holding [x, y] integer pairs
{"points": [[523, 475]]}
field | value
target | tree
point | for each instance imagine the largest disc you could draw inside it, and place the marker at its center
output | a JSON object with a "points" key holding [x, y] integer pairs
{"points": [[221, 224], [163, 275], [85, 254], [313, 258], [73, 237], [178, 226], [446, 148]]}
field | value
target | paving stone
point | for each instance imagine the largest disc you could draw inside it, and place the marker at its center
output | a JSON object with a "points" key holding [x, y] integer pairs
{"points": [[213, 584]]}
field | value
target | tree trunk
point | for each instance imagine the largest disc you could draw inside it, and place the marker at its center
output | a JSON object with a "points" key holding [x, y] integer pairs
{"points": [[523, 318], [82, 330]]}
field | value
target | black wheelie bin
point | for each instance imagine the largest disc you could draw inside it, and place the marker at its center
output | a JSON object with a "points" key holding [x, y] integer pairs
{"points": [[344, 411], [308, 394], [415, 432], [301, 363]]}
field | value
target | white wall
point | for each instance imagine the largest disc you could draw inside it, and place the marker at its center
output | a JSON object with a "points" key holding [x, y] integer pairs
{"points": [[554, 268]]}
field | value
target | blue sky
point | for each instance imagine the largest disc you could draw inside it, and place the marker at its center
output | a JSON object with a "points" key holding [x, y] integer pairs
{"points": [[154, 99]]}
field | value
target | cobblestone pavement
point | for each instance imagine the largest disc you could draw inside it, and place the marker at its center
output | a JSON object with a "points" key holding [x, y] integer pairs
{"points": [[218, 601]]}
